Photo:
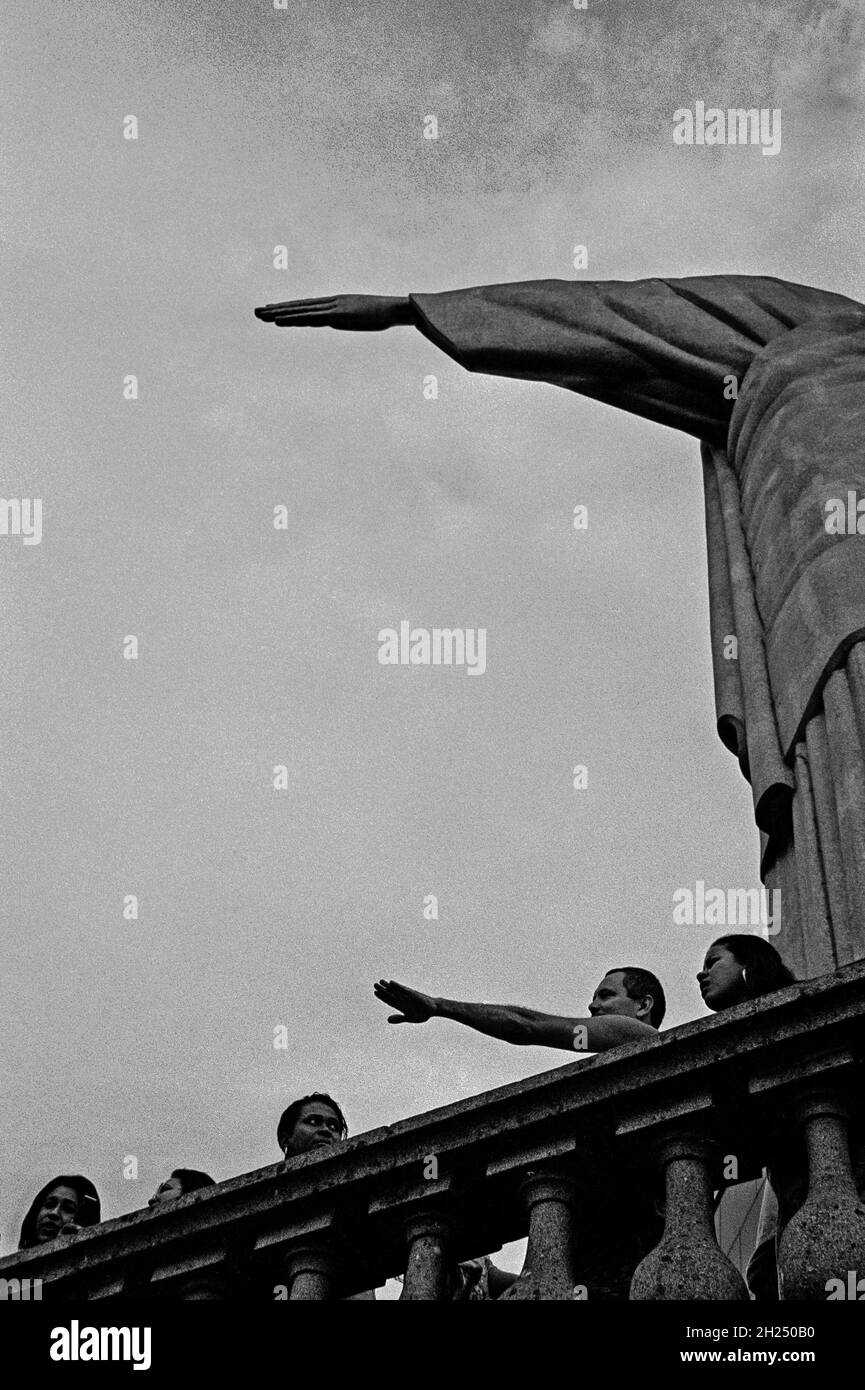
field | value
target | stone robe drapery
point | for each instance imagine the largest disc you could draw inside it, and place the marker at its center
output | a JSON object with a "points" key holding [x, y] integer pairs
{"points": [[792, 705]]}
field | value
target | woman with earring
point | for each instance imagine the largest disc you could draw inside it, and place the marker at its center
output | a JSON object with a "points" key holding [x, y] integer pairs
{"points": [[741, 967]]}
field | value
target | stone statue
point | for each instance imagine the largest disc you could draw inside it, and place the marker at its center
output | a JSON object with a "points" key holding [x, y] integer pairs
{"points": [[769, 376]]}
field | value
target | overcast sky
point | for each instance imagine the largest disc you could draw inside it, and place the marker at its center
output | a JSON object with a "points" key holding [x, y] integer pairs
{"points": [[259, 908]]}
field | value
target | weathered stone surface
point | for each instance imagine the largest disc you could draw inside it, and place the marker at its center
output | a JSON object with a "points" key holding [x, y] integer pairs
{"points": [[688, 1263], [824, 1241], [310, 1272], [426, 1273], [548, 1269]]}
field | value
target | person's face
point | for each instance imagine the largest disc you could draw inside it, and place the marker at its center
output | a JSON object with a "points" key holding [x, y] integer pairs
{"points": [[611, 997], [316, 1127], [167, 1191], [722, 980], [59, 1209]]}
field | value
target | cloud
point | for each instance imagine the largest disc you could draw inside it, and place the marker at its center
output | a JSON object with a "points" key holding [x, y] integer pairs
{"points": [[749, 52]]}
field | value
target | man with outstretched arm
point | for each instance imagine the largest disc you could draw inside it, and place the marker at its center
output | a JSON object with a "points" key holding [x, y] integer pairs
{"points": [[627, 1006]]}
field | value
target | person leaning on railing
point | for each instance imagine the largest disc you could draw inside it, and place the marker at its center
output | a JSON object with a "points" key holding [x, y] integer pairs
{"points": [[627, 1006], [63, 1207], [739, 967], [202, 1287], [181, 1182], [314, 1123]]}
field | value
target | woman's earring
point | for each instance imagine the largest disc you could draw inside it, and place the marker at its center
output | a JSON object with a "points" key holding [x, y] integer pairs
{"points": [[745, 976]]}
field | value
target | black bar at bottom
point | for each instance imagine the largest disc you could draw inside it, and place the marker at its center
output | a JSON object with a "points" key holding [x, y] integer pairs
{"points": [[275, 1341]]}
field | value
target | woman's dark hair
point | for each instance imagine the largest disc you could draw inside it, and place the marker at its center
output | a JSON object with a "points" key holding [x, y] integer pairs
{"points": [[191, 1179], [288, 1118], [765, 969], [88, 1214]]}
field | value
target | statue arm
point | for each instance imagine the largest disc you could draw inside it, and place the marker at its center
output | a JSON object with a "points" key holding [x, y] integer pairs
{"points": [[673, 351], [622, 343]]}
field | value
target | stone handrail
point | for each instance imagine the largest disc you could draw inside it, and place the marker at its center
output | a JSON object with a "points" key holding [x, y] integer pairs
{"points": [[608, 1165]]}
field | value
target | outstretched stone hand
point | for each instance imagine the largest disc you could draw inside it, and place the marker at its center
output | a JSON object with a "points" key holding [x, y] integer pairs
{"points": [[359, 313], [416, 1007]]}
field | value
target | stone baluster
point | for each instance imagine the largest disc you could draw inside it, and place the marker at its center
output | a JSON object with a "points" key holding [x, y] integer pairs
{"points": [[310, 1271], [825, 1239], [203, 1289], [687, 1262], [426, 1275], [548, 1269]]}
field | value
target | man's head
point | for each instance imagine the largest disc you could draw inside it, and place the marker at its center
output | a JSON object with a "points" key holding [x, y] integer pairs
{"points": [[630, 991], [312, 1122]]}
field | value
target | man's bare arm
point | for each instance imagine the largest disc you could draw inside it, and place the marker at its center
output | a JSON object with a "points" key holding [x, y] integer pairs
{"points": [[531, 1028], [514, 1024]]}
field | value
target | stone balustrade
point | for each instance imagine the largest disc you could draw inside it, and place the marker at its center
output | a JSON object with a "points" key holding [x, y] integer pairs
{"points": [[609, 1165]]}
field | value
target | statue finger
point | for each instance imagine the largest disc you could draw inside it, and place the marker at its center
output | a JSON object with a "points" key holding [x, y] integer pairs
{"points": [[291, 311], [303, 318], [317, 302], [301, 321], [288, 306]]}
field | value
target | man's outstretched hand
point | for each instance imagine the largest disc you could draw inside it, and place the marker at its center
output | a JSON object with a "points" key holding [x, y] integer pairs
{"points": [[360, 313], [415, 1007]]}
